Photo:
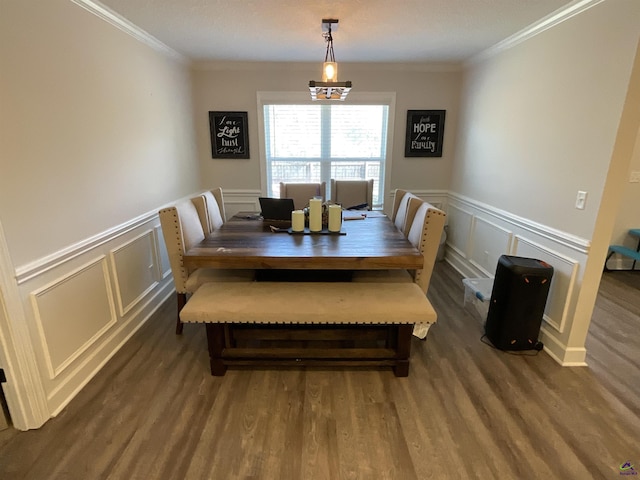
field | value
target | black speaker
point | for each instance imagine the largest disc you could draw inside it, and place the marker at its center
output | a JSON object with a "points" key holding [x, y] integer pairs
{"points": [[518, 298]]}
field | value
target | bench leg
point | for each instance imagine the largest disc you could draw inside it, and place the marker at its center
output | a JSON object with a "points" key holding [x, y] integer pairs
{"points": [[215, 342], [182, 301], [403, 350]]}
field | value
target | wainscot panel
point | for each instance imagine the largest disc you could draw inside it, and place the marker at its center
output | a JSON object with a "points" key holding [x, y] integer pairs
{"points": [[460, 223], [241, 201], [478, 234], [565, 271], [487, 242], [72, 313], [161, 250], [83, 303], [135, 270]]}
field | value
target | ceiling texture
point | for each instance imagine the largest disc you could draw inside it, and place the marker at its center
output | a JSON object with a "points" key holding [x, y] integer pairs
{"points": [[368, 30]]}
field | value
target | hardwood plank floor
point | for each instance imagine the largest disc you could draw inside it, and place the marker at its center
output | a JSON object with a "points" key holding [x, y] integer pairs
{"points": [[465, 411]]}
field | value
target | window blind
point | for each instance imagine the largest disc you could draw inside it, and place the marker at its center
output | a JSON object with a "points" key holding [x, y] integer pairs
{"points": [[317, 142]]}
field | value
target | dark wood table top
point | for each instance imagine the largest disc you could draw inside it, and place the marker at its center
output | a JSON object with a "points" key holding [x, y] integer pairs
{"points": [[244, 242]]}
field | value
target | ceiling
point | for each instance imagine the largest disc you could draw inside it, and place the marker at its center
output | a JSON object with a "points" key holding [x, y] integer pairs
{"points": [[368, 30]]}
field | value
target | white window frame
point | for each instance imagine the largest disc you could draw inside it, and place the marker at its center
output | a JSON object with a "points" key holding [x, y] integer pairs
{"points": [[354, 98]]}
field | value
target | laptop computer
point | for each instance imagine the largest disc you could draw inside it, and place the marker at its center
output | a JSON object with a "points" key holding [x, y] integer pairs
{"points": [[276, 210]]}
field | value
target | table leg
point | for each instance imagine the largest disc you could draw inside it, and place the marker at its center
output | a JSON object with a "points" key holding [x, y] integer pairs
{"points": [[215, 342], [403, 350]]}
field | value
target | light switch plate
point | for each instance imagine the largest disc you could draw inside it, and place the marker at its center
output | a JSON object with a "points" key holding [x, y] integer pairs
{"points": [[581, 200], [634, 177]]}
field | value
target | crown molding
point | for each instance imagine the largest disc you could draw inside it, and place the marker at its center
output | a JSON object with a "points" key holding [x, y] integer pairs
{"points": [[129, 28], [230, 65], [545, 23]]}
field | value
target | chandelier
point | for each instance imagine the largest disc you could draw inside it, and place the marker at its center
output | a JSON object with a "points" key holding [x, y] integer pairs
{"points": [[329, 88]]}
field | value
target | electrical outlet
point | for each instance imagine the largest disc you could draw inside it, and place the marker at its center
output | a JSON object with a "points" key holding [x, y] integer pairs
{"points": [[581, 199], [634, 177]]}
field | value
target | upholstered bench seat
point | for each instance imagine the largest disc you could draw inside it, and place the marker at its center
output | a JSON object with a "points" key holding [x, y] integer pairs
{"points": [[342, 312], [308, 302]]}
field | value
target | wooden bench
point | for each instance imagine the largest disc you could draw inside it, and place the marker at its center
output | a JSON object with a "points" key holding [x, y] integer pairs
{"points": [[309, 323], [625, 251]]}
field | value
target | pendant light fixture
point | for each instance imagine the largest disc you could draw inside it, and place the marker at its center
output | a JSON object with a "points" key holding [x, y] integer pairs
{"points": [[329, 88]]}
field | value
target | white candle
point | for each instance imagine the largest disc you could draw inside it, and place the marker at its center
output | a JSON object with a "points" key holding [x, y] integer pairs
{"points": [[297, 221], [315, 214], [335, 218]]}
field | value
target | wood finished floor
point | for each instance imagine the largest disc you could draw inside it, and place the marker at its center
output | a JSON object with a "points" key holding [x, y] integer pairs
{"points": [[465, 411]]}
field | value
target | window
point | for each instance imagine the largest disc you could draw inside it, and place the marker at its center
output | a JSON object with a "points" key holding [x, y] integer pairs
{"points": [[315, 142]]}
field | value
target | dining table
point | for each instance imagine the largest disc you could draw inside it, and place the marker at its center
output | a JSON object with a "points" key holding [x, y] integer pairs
{"points": [[366, 241], [301, 277]]}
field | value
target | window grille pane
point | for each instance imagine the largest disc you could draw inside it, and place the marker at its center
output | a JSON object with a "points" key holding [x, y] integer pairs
{"points": [[315, 143], [293, 171], [293, 131], [358, 131]]}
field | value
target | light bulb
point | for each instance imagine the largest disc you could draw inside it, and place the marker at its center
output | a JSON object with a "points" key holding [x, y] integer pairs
{"points": [[330, 72]]}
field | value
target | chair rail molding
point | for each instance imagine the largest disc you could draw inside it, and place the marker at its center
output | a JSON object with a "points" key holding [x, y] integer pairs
{"points": [[42, 265], [571, 241], [480, 233]]}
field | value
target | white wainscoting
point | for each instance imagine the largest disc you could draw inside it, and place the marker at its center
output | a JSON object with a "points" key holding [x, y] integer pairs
{"points": [[565, 271], [479, 234], [241, 201], [136, 270], [247, 200], [460, 229], [83, 303], [437, 198], [72, 313]]}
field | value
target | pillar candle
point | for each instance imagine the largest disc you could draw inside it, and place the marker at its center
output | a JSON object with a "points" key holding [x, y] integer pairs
{"points": [[297, 221], [315, 214], [335, 218]]}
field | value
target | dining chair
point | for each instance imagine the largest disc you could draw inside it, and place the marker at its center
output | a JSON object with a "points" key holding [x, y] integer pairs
{"points": [[351, 193], [400, 215], [302, 192], [217, 194], [181, 229], [424, 233], [210, 210]]}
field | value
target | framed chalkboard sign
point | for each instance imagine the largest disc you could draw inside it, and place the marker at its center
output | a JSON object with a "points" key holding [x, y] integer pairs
{"points": [[425, 132], [229, 134]]}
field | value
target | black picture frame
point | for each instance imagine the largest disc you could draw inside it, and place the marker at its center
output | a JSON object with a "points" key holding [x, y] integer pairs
{"points": [[229, 134], [425, 133]]}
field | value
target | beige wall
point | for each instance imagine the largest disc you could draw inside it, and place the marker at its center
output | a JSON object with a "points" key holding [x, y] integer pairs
{"points": [[234, 87], [96, 133], [539, 122], [96, 127], [540, 119]]}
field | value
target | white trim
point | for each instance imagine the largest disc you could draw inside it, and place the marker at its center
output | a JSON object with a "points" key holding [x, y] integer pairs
{"points": [[565, 356], [248, 66], [158, 241], [575, 243], [124, 309], [303, 98], [463, 253], [56, 370], [572, 262], [157, 304], [121, 23], [41, 265], [508, 237], [545, 23], [24, 391]]}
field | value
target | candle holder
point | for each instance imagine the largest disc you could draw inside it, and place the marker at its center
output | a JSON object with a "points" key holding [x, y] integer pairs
{"points": [[325, 215]]}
